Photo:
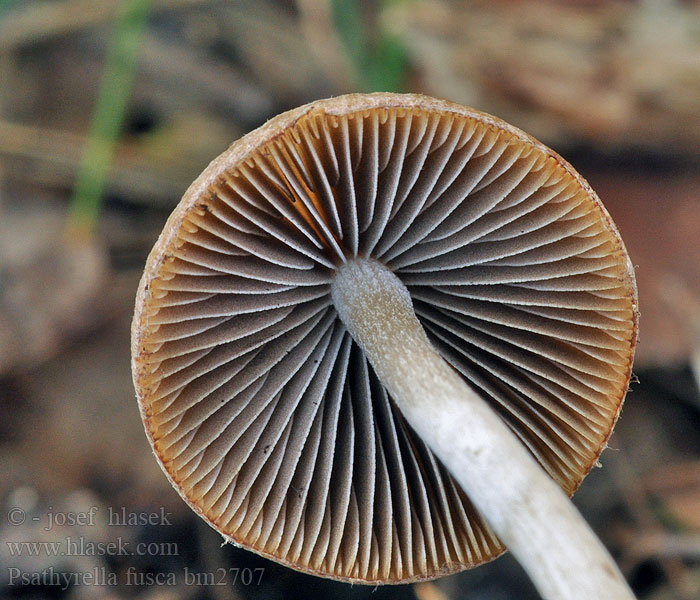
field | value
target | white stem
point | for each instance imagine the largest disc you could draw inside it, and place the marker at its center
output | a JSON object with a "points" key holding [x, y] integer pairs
{"points": [[527, 510]]}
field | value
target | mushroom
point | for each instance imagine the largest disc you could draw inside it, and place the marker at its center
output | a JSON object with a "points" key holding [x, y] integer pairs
{"points": [[382, 338]]}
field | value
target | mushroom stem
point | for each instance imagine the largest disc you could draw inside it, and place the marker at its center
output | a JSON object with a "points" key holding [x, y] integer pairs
{"points": [[525, 507]]}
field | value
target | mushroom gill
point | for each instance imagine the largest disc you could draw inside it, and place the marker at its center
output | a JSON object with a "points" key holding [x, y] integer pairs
{"points": [[266, 415]]}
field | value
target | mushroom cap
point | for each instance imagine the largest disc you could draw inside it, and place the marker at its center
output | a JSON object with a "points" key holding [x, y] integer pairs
{"points": [[264, 413]]}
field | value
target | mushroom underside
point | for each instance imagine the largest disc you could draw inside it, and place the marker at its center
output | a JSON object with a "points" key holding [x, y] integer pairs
{"points": [[264, 412]]}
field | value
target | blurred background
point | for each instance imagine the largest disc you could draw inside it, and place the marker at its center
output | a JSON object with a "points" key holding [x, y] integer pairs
{"points": [[110, 108]]}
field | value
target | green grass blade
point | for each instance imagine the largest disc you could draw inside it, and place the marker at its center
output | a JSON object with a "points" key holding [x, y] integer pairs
{"points": [[108, 116], [381, 64]]}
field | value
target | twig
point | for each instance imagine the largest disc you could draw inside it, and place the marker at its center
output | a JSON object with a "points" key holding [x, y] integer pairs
{"points": [[218, 81], [61, 150], [36, 21], [673, 477], [662, 544]]}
